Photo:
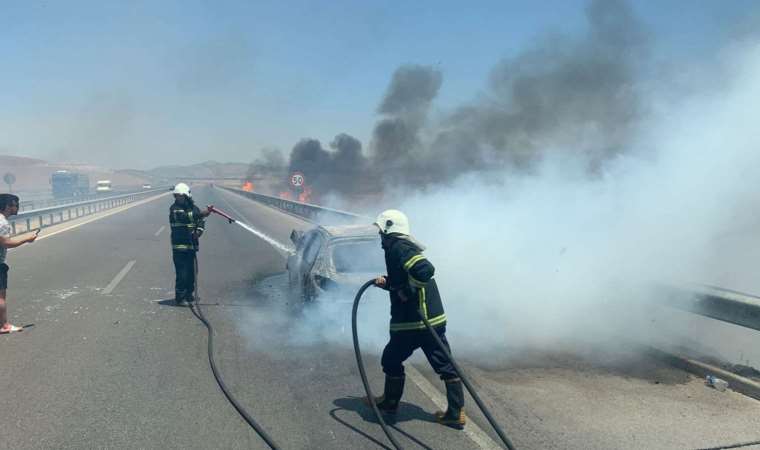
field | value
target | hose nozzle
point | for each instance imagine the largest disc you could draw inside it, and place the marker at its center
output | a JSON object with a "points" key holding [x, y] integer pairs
{"points": [[216, 210]]}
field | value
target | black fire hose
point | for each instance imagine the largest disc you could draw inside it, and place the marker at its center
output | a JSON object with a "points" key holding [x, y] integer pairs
{"points": [[360, 363], [443, 348], [195, 307]]}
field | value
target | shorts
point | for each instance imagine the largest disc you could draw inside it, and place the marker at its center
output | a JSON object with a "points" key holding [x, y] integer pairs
{"points": [[3, 276]]}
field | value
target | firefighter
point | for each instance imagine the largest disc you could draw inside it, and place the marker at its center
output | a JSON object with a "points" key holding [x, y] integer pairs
{"points": [[187, 227], [413, 292]]}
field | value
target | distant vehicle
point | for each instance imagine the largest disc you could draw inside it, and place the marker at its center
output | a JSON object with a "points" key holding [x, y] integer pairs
{"points": [[66, 184], [333, 258], [147, 186], [103, 186]]}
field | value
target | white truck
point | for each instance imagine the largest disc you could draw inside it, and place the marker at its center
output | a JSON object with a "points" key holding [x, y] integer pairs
{"points": [[103, 187]]}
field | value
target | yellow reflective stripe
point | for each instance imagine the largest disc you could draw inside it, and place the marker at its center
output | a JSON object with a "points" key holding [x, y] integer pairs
{"points": [[423, 303], [409, 326], [416, 283], [412, 261], [182, 246], [183, 225]]}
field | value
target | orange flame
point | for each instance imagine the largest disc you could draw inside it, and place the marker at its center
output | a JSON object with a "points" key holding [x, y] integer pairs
{"points": [[305, 195], [285, 195], [248, 186]]}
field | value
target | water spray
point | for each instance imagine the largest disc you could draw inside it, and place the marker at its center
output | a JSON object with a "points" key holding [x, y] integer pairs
{"points": [[274, 243]]}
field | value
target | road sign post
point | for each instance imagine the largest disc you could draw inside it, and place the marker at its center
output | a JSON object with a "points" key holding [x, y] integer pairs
{"points": [[9, 179]]}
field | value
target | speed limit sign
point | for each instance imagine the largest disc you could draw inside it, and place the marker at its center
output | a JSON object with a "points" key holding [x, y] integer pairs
{"points": [[297, 179]]}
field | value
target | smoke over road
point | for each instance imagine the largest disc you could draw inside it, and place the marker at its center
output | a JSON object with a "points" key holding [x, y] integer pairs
{"points": [[552, 203]]}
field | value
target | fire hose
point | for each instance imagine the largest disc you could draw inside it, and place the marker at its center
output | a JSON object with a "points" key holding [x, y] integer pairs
{"points": [[195, 307], [443, 348]]}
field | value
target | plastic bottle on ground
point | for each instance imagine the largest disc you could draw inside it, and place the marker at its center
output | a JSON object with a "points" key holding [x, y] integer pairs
{"points": [[717, 383]]}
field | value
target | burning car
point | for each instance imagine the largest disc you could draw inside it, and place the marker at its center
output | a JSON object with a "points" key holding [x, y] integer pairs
{"points": [[333, 260]]}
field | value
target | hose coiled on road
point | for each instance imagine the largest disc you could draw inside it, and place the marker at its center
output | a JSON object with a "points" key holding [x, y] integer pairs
{"points": [[459, 371]]}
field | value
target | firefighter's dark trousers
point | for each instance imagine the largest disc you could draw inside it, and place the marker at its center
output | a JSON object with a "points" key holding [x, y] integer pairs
{"points": [[184, 268], [403, 343]]}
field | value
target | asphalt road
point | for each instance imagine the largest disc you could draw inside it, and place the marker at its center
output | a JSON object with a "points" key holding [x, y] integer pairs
{"points": [[110, 363]]}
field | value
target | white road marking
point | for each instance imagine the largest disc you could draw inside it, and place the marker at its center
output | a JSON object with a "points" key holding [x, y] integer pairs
{"points": [[117, 279], [472, 430], [121, 209], [160, 230], [271, 241]]}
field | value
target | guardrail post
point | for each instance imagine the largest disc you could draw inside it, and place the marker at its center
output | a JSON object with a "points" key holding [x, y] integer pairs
{"points": [[28, 224]]}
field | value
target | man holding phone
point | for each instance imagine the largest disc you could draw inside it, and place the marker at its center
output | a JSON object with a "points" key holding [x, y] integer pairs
{"points": [[8, 208]]}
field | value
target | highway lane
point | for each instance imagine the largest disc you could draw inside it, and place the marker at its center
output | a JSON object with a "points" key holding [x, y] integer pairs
{"points": [[128, 370]]}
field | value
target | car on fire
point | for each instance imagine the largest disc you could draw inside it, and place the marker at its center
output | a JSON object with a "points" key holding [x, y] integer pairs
{"points": [[332, 262]]}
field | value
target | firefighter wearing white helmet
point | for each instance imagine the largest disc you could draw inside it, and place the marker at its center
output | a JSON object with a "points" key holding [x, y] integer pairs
{"points": [[182, 189], [413, 293], [187, 226]]}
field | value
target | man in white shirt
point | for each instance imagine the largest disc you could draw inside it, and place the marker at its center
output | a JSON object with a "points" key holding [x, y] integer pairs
{"points": [[8, 208]]}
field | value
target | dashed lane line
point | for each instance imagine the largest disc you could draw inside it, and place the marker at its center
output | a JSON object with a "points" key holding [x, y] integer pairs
{"points": [[117, 279], [159, 230]]}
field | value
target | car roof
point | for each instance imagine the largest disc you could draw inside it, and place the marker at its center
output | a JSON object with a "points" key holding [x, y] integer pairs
{"points": [[368, 231]]}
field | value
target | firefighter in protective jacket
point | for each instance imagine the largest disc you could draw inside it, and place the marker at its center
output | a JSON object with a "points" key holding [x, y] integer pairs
{"points": [[187, 226], [413, 293]]}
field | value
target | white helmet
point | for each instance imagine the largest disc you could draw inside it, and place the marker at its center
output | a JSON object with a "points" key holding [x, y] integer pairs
{"points": [[393, 221], [182, 189]]}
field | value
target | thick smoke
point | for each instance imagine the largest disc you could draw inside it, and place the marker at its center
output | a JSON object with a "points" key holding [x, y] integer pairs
{"points": [[626, 188], [554, 257], [564, 95], [340, 169], [404, 109]]}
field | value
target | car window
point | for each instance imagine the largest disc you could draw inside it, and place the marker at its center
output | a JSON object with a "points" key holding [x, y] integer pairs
{"points": [[359, 256], [311, 249]]}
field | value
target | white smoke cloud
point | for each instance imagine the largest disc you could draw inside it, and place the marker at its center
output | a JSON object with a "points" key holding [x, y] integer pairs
{"points": [[538, 259]]}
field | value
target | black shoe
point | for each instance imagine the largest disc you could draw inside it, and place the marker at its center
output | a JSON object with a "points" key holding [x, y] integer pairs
{"points": [[389, 401], [181, 302]]}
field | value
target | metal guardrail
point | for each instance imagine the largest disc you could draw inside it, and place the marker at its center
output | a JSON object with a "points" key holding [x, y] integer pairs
{"points": [[45, 217], [305, 210], [717, 303], [28, 205]]}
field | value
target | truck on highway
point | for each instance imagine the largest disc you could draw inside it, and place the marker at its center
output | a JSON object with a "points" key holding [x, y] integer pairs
{"points": [[66, 184], [103, 187]]}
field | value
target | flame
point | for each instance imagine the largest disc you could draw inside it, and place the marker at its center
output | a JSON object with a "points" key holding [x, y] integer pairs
{"points": [[248, 186], [285, 195], [305, 195]]}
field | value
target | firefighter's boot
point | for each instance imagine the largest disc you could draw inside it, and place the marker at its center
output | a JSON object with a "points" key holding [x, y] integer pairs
{"points": [[454, 415], [389, 401]]}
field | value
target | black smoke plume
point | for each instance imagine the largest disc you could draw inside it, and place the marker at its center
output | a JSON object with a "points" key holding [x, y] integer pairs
{"points": [[341, 169]]}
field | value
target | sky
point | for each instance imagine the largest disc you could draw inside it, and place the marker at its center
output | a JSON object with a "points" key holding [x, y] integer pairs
{"points": [[145, 83]]}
